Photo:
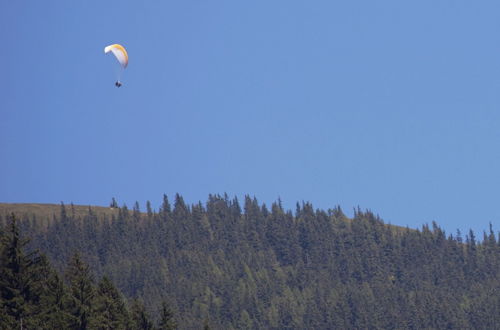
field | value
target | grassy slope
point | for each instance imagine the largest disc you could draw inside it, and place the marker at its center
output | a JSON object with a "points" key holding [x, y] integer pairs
{"points": [[47, 211]]}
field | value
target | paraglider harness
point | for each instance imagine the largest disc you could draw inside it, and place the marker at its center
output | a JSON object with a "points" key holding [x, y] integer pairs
{"points": [[118, 84]]}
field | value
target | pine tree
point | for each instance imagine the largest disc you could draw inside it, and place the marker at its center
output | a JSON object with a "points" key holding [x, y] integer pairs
{"points": [[6, 321], [149, 209], [165, 208], [113, 204], [139, 317], [110, 311], [53, 302], [167, 321], [136, 212], [82, 292], [17, 276]]}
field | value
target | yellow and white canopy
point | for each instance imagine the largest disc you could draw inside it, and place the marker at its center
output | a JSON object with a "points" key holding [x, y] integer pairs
{"points": [[119, 52]]}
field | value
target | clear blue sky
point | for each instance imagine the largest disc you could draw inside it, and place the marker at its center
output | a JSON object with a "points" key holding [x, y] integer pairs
{"points": [[392, 106]]}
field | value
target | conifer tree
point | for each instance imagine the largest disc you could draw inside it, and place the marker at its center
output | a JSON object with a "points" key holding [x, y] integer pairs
{"points": [[17, 276], [113, 204], [82, 292], [165, 208], [149, 209], [139, 317], [52, 306], [6, 321], [136, 212], [110, 311], [167, 321]]}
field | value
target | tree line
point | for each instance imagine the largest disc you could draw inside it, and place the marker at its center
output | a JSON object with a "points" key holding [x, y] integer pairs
{"points": [[231, 265]]}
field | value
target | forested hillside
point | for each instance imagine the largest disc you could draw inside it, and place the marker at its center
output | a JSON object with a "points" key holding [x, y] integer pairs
{"points": [[248, 266], [34, 296]]}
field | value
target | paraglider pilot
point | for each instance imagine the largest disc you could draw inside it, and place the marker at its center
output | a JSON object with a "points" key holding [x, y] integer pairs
{"points": [[118, 84]]}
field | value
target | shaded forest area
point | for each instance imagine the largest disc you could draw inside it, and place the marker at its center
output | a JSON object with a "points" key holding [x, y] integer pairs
{"points": [[232, 266], [34, 296]]}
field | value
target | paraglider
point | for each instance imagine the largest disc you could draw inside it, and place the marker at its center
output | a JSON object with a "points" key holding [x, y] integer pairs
{"points": [[122, 57]]}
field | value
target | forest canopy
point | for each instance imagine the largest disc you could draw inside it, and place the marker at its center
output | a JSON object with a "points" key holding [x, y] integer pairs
{"points": [[226, 264]]}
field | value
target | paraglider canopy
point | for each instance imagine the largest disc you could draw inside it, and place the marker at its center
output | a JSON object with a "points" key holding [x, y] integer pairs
{"points": [[122, 57], [119, 52]]}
